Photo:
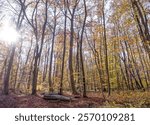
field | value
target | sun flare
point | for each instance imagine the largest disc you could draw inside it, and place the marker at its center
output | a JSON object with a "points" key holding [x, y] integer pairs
{"points": [[8, 34]]}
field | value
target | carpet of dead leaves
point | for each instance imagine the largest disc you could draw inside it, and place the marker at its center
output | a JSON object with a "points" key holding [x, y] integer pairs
{"points": [[131, 99], [30, 101]]}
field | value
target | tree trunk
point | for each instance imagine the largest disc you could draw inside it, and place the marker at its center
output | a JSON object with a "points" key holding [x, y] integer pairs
{"points": [[51, 56], [81, 53], [106, 49], [7, 72], [64, 51]]}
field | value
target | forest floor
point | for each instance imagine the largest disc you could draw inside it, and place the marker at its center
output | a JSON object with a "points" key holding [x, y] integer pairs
{"points": [[94, 100]]}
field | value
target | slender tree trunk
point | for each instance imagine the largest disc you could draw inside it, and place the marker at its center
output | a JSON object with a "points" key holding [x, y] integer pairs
{"points": [[18, 65], [7, 72], [142, 24], [38, 50], [106, 49], [141, 60], [63, 60], [51, 55], [72, 82], [81, 53]]}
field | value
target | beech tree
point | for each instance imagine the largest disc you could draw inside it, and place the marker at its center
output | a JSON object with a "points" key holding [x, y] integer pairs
{"points": [[33, 22]]}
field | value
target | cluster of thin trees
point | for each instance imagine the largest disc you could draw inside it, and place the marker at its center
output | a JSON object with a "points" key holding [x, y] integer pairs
{"points": [[77, 46]]}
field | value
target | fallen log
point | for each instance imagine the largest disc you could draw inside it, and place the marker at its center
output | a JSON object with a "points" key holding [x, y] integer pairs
{"points": [[57, 97]]}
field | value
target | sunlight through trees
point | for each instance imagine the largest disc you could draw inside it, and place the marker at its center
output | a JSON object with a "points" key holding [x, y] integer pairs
{"points": [[75, 46]]}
